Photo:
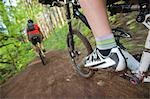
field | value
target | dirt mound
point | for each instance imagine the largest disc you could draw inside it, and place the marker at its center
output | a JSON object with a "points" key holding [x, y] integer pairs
{"points": [[58, 80]]}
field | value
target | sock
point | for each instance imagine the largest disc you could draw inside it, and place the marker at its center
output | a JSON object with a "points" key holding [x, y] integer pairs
{"points": [[105, 44]]}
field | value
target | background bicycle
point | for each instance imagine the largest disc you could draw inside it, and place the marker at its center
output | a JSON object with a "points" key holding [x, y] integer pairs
{"points": [[39, 50]]}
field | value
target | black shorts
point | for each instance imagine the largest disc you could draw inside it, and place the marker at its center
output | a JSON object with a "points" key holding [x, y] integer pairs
{"points": [[34, 38]]}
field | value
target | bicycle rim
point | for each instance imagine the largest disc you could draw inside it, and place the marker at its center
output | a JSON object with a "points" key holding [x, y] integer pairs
{"points": [[42, 58]]}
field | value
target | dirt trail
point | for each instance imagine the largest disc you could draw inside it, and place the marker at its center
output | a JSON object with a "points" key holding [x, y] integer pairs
{"points": [[57, 80]]}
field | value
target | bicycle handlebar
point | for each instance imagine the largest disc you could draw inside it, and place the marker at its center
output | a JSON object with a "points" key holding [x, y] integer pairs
{"points": [[114, 8], [123, 8], [143, 8]]}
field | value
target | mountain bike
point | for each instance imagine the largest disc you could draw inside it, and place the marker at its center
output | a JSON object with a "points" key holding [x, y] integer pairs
{"points": [[39, 49], [79, 46]]}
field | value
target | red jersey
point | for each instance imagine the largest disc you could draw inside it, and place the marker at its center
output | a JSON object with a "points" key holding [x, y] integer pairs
{"points": [[35, 31]]}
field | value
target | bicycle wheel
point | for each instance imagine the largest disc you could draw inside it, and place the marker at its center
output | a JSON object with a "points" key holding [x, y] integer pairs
{"points": [[82, 48], [41, 54], [42, 57]]}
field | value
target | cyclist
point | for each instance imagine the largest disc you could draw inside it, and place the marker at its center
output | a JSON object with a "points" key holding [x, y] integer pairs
{"points": [[33, 30]]}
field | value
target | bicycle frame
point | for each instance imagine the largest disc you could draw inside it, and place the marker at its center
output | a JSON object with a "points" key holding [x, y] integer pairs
{"points": [[77, 14]]}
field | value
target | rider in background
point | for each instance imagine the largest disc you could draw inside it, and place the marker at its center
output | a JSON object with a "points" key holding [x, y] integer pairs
{"points": [[33, 30]]}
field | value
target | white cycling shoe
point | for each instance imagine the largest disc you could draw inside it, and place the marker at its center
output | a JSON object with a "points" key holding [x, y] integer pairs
{"points": [[115, 59]]}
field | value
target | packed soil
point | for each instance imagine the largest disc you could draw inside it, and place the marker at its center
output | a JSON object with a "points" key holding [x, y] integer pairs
{"points": [[58, 80]]}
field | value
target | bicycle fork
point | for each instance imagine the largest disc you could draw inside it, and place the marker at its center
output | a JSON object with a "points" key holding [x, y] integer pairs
{"points": [[70, 40]]}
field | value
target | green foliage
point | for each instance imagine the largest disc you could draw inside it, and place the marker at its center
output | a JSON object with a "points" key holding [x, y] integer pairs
{"points": [[57, 39], [15, 54], [14, 57]]}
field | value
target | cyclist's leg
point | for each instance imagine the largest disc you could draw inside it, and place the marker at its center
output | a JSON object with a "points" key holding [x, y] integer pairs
{"points": [[95, 12], [35, 49], [33, 44], [42, 46], [41, 42]]}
